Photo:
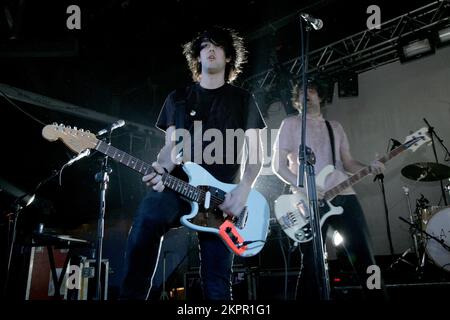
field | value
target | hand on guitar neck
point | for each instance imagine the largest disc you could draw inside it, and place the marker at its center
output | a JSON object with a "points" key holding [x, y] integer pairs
{"points": [[377, 167], [154, 179], [320, 191]]}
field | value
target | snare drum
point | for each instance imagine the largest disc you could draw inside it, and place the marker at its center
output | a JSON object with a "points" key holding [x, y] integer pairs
{"points": [[439, 226]]}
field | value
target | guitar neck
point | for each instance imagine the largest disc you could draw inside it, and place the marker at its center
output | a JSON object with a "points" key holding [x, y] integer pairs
{"points": [[182, 187], [355, 178]]}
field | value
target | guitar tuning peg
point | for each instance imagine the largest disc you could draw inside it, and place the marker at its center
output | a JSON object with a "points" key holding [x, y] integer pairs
{"points": [[68, 127], [55, 123], [74, 128], [81, 130], [87, 131]]}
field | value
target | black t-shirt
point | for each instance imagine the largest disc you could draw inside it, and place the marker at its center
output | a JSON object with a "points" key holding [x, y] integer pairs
{"points": [[227, 107]]}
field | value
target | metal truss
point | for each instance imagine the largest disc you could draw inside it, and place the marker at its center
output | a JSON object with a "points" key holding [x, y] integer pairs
{"points": [[363, 51]]}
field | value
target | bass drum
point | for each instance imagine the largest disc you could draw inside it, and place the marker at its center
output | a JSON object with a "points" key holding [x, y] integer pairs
{"points": [[439, 227]]}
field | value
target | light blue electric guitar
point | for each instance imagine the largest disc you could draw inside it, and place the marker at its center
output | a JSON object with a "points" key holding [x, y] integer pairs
{"points": [[244, 234]]}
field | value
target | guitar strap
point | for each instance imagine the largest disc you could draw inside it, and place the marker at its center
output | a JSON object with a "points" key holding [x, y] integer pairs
{"points": [[331, 135], [183, 102]]}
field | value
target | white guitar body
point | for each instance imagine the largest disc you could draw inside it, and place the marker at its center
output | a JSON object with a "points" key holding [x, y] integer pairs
{"points": [[256, 225], [292, 213]]}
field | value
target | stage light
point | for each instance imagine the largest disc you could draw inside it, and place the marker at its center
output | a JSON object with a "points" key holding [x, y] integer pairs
{"points": [[443, 36], [337, 239], [415, 47]]}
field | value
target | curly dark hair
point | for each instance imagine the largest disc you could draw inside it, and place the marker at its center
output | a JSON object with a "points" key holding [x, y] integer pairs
{"points": [[311, 83], [226, 38]]}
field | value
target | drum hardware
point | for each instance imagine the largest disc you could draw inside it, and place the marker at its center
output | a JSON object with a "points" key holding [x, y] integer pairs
{"points": [[417, 247], [436, 233], [414, 235], [442, 172], [426, 171], [438, 246]]}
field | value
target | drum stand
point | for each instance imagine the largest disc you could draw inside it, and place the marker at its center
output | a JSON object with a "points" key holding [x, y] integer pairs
{"points": [[427, 235], [417, 247]]}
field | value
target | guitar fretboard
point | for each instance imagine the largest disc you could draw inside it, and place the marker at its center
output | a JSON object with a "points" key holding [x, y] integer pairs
{"points": [[134, 163], [182, 187], [333, 192]]}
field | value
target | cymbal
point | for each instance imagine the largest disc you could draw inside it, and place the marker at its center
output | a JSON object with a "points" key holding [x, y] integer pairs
{"points": [[426, 171]]}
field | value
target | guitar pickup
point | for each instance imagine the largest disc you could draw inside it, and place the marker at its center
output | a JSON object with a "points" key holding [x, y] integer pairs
{"points": [[207, 200]]}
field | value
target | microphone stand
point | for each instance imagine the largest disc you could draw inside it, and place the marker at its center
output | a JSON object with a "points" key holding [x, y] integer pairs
{"points": [[432, 135], [18, 205], [380, 177], [13, 216], [102, 177], [306, 161]]}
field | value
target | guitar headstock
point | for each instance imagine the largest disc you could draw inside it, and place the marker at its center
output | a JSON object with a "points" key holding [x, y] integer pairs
{"points": [[77, 140], [417, 139]]}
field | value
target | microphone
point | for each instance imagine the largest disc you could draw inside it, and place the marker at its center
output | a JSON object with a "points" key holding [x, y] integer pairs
{"points": [[82, 154], [395, 144], [317, 24], [114, 126]]}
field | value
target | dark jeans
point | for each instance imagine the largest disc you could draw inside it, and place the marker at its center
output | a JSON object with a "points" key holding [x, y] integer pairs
{"points": [[157, 213], [352, 225]]}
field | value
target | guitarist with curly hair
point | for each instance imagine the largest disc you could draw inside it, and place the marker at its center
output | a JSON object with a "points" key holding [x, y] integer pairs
{"points": [[215, 58], [330, 145]]}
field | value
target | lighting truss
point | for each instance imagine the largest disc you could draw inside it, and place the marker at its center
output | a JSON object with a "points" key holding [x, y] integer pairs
{"points": [[363, 51]]}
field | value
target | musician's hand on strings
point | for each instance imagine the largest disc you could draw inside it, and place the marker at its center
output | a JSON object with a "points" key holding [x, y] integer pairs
{"points": [[154, 179], [235, 200], [376, 167], [320, 191]]}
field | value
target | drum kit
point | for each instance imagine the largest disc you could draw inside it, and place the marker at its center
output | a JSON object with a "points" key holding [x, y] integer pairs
{"points": [[430, 225]]}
